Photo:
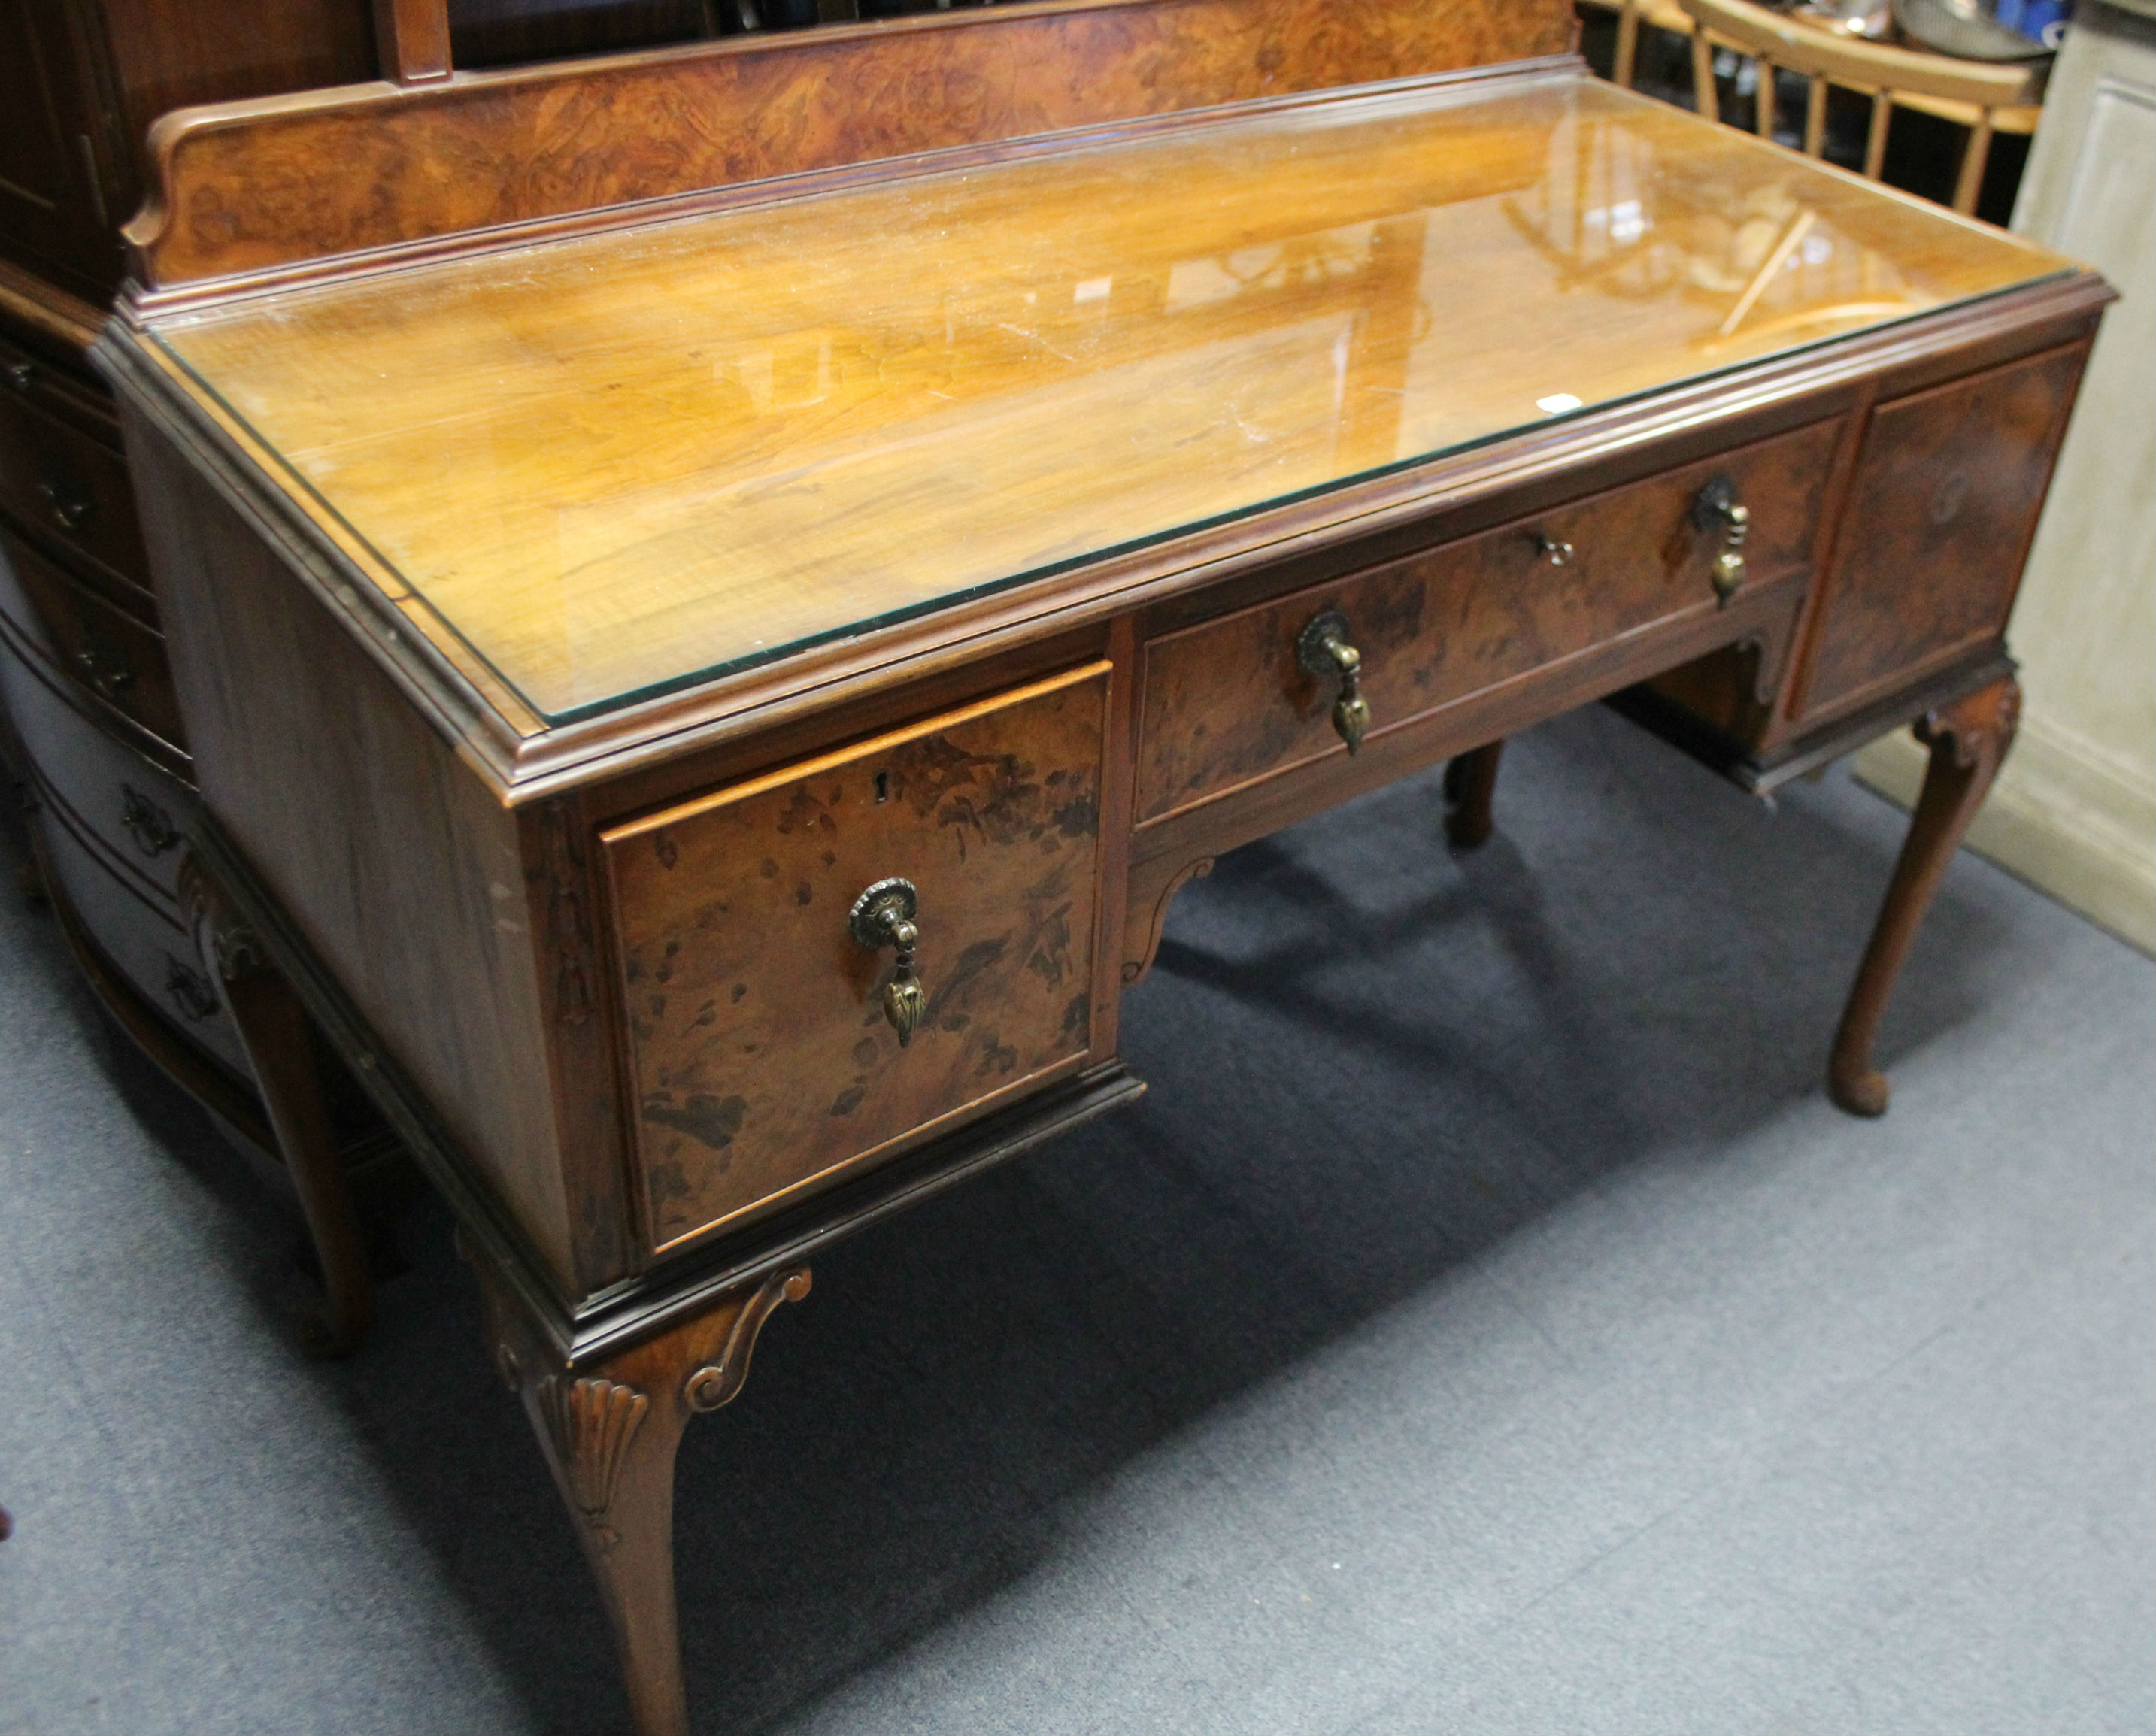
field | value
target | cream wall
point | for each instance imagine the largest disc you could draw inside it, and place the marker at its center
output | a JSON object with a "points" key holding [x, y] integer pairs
{"points": [[2074, 812]]}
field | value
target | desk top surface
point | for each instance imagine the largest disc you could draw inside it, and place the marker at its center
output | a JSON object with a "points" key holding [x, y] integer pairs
{"points": [[625, 462]]}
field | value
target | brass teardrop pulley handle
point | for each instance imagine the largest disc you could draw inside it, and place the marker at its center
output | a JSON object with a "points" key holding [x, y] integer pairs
{"points": [[883, 916], [1322, 648], [68, 508], [1716, 508]]}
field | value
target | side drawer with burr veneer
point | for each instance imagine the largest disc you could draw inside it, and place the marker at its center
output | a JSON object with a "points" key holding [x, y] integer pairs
{"points": [[823, 965]]}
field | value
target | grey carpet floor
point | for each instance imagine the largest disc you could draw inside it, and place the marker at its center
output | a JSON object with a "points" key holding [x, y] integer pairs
{"points": [[1484, 1325]]}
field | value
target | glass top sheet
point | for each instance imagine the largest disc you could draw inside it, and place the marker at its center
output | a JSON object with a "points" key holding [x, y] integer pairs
{"points": [[619, 464]]}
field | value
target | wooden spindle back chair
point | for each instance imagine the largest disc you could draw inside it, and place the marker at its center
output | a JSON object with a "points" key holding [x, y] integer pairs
{"points": [[1632, 16], [1970, 91]]}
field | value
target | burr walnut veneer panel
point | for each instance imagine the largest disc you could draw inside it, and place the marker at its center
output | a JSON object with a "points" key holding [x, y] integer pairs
{"points": [[1947, 489], [336, 172], [761, 1058]]}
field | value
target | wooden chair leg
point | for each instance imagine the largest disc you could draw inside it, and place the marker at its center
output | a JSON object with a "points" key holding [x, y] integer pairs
{"points": [[609, 1430], [1975, 155], [1703, 95], [277, 1035], [1968, 739], [1470, 787]]}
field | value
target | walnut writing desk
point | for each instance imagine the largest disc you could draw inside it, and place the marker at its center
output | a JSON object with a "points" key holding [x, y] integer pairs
{"points": [[758, 570]]}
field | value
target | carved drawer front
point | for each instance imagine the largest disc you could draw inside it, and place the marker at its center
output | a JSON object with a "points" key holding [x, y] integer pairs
{"points": [[1235, 700], [761, 1051], [56, 477], [103, 649], [1947, 489]]}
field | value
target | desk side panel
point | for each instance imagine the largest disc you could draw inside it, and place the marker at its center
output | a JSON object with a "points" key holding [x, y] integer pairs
{"points": [[403, 872]]}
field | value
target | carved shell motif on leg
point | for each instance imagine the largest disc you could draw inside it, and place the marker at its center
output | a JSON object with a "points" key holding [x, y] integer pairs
{"points": [[591, 1423]]}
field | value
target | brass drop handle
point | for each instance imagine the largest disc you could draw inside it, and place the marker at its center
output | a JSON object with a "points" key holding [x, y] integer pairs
{"points": [[1553, 550], [1323, 650], [883, 916], [68, 508], [104, 665], [22, 375], [1716, 508]]}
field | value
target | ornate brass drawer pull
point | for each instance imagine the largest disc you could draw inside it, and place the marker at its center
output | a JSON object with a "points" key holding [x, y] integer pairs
{"points": [[1718, 509], [1553, 550], [883, 916], [1322, 648]]}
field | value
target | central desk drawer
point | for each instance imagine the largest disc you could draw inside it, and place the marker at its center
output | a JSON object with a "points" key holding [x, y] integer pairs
{"points": [[760, 1052], [1228, 702]]}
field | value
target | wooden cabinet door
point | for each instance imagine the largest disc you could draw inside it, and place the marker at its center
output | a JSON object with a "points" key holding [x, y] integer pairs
{"points": [[1948, 486], [53, 214]]}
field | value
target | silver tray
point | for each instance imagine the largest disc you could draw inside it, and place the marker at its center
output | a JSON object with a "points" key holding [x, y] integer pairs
{"points": [[1965, 27]]}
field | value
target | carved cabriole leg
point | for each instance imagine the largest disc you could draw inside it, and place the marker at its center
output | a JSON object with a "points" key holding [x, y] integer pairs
{"points": [[608, 1429], [1968, 739], [1471, 786], [274, 1032]]}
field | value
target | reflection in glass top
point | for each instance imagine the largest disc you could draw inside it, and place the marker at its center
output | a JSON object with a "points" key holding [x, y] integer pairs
{"points": [[618, 463]]}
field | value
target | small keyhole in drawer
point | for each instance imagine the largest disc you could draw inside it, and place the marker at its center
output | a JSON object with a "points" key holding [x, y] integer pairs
{"points": [[883, 787]]}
